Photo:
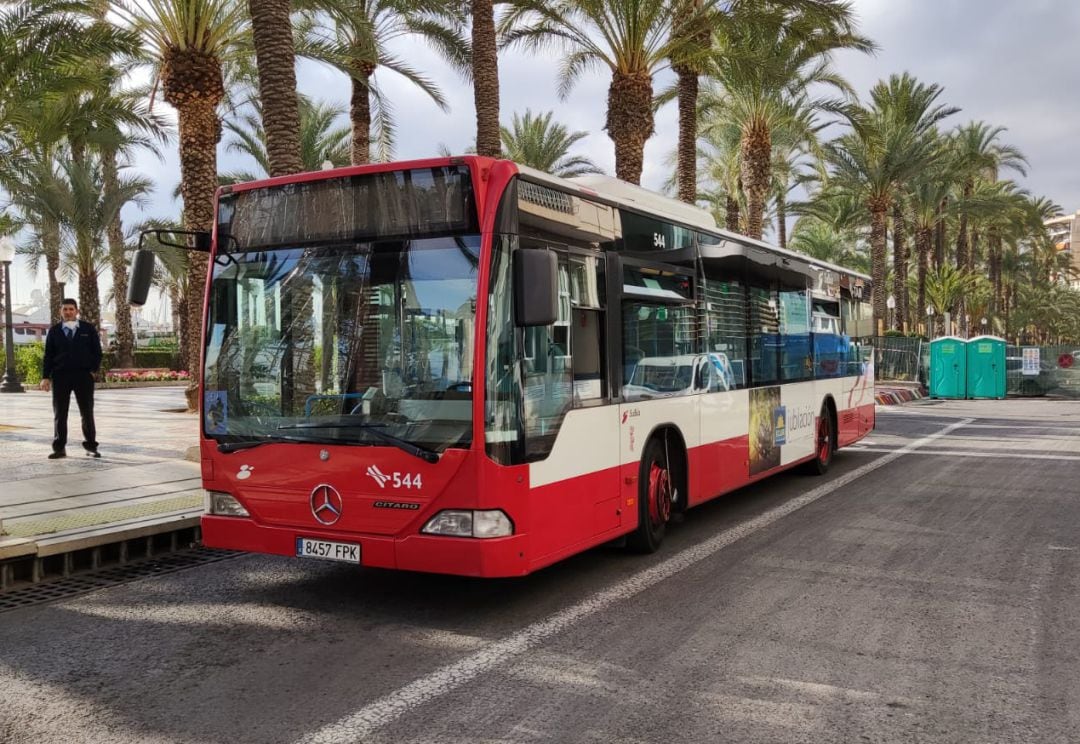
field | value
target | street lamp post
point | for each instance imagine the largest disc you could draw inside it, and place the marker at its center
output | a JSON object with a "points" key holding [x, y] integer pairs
{"points": [[929, 321], [10, 383], [890, 302], [983, 323]]}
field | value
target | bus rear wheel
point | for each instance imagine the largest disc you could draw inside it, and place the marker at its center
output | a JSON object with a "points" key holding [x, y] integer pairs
{"points": [[824, 443], [657, 494]]}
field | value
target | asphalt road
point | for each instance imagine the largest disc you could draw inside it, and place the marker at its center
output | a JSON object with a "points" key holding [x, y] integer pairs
{"points": [[926, 590]]}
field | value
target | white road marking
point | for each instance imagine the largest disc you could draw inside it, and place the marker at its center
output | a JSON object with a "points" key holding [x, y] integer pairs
{"points": [[390, 707], [971, 453]]}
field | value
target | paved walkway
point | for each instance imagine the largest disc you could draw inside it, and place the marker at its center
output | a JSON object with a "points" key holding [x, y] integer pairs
{"points": [[141, 484]]}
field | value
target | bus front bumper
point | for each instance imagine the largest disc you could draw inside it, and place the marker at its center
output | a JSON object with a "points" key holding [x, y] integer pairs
{"points": [[489, 558]]}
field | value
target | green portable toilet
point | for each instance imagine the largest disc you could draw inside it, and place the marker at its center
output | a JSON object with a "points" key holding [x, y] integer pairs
{"points": [[948, 367], [986, 367]]}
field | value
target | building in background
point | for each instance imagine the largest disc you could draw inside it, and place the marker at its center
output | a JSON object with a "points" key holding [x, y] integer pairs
{"points": [[1065, 234]]}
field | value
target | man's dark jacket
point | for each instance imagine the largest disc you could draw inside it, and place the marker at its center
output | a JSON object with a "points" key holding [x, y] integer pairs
{"points": [[63, 357]]}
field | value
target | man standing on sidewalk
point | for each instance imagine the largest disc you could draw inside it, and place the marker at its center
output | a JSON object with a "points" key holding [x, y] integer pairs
{"points": [[72, 356]]}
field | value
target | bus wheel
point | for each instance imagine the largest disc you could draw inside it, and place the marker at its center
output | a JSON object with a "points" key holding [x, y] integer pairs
{"points": [[824, 443], [656, 495]]}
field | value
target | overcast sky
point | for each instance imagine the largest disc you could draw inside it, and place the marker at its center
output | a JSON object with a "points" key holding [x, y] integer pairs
{"points": [[1011, 64]]}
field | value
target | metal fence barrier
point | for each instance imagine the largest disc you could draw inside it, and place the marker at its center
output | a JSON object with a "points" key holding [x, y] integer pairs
{"points": [[899, 359]]}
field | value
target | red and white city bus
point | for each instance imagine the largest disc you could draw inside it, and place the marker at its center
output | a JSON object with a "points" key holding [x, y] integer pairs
{"points": [[466, 366]]}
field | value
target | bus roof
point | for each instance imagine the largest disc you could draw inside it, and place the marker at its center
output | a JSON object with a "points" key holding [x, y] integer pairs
{"points": [[622, 194]]}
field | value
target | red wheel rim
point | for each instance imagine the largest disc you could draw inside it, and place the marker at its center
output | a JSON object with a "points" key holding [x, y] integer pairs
{"points": [[824, 439], [659, 494]]}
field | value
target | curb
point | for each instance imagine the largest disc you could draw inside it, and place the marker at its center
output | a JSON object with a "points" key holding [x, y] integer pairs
{"points": [[896, 396]]}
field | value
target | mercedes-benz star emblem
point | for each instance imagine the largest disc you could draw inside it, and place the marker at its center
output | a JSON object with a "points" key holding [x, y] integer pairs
{"points": [[326, 504], [324, 455]]}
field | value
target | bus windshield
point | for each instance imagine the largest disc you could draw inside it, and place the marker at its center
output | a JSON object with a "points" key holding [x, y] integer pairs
{"points": [[340, 340]]}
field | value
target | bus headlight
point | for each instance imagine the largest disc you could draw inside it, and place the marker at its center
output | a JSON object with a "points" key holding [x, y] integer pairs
{"points": [[470, 523], [223, 505]]}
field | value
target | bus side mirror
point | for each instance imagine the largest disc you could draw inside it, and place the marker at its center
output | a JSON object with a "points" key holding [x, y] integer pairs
{"points": [[536, 301], [142, 273]]}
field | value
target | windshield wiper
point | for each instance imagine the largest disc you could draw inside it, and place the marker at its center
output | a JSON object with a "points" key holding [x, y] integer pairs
{"points": [[249, 443], [425, 454]]}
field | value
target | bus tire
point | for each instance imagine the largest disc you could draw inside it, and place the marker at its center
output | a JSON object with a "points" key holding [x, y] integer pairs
{"points": [[824, 442], [656, 498]]}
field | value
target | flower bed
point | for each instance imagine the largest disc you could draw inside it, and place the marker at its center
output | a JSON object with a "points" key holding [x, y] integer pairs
{"points": [[124, 377]]}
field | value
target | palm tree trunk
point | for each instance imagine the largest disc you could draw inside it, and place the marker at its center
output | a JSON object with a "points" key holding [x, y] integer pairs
{"points": [[781, 220], [125, 338], [923, 240], [687, 147], [50, 244], [900, 262], [755, 150], [198, 179], [995, 271], [485, 68], [89, 296], [271, 30], [360, 114], [731, 214], [939, 236], [879, 210], [178, 312], [630, 121]]}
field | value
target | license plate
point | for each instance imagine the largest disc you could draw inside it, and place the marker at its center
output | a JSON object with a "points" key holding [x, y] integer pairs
{"points": [[327, 550]]}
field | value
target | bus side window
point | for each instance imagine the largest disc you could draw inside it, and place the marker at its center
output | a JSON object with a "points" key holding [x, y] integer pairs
{"points": [[764, 334]]}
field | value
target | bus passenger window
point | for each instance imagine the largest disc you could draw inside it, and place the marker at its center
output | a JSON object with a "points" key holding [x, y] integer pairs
{"points": [[658, 351], [764, 335], [725, 330], [796, 354]]}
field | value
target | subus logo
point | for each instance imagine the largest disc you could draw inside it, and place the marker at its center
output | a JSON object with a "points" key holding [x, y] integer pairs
{"points": [[379, 476]]}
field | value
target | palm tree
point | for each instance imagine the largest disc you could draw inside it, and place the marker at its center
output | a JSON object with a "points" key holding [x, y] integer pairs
{"points": [[75, 193], [690, 25], [44, 46], [538, 142], [695, 25], [815, 237], [271, 32], [924, 198], [978, 155], [354, 36], [191, 41], [721, 174], [630, 38], [891, 142], [764, 63], [320, 139], [946, 288]]}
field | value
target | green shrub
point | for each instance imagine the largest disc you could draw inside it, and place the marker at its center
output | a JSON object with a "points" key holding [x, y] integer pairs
{"points": [[146, 359], [894, 332], [28, 359]]}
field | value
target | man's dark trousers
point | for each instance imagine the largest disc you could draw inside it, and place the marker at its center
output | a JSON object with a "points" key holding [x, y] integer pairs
{"points": [[81, 383]]}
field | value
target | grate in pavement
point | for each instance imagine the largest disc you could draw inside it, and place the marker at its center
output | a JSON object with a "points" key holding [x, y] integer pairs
{"points": [[71, 586]]}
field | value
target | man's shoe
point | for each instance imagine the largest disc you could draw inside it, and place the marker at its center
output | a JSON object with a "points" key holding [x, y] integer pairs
{"points": [[93, 453], [57, 455]]}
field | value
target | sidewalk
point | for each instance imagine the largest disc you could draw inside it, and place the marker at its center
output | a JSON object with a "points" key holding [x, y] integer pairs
{"points": [[141, 486]]}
